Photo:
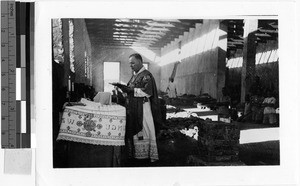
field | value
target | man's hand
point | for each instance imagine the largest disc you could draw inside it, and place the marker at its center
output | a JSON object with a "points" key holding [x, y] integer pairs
{"points": [[127, 89], [119, 85], [124, 88]]}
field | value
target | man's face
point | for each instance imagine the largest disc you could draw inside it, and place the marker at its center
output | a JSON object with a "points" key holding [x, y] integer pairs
{"points": [[135, 64]]}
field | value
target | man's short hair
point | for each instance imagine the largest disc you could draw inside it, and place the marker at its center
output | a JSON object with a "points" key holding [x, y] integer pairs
{"points": [[137, 56]]}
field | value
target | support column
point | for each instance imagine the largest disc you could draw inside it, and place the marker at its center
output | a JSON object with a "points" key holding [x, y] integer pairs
{"points": [[222, 50], [249, 53]]}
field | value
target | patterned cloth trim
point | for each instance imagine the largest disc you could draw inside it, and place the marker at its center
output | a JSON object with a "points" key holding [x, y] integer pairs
{"points": [[90, 141], [79, 124], [91, 115], [144, 150], [96, 136]]}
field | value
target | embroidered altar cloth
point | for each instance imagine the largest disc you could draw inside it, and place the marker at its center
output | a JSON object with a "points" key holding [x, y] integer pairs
{"points": [[94, 124]]}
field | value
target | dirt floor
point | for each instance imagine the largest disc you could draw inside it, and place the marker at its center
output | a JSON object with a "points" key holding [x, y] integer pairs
{"points": [[178, 152], [259, 145]]}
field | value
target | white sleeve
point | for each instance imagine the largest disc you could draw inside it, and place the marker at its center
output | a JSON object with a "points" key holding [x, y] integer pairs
{"points": [[139, 93]]}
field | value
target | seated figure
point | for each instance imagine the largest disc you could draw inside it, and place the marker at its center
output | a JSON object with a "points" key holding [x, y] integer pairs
{"points": [[269, 109]]}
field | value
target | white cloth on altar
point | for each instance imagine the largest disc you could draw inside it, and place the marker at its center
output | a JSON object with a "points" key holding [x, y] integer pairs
{"points": [[94, 107], [94, 124], [103, 98]]}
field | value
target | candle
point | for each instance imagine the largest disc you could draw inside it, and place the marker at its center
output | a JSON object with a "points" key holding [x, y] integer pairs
{"points": [[69, 84], [72, 86]]}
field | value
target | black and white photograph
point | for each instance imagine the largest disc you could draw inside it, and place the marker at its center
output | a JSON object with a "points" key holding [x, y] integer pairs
{"points": [[161, 93], [133, 92], [154, 93]]}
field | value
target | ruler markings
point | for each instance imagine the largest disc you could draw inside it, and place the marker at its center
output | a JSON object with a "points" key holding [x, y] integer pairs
{"points": [[4, 80], [4, 111], [4, 90], [15, 116], [4, 119], [8, 49]]}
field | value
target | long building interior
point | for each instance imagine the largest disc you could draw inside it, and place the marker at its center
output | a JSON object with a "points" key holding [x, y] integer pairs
{"points": [[207, 59]]}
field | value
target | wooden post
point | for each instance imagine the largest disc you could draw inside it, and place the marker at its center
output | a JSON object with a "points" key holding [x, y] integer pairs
{"points": [[249, 53], [222, 50]]}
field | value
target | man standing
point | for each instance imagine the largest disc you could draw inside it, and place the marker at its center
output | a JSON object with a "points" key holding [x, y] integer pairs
{"points": [[171, 90], [142, 113]]}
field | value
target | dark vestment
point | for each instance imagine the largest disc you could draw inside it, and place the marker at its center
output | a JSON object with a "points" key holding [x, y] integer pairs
{"points": [[134, 107]]}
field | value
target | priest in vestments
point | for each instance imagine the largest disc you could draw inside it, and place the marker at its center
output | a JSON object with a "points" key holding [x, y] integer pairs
{"points": [[142, 113]]}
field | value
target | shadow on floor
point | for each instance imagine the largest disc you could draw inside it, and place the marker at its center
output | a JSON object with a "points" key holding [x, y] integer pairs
{"points": [[262, 153]]}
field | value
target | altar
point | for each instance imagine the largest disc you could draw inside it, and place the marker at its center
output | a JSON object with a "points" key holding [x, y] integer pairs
{"points": [[94, 134]]}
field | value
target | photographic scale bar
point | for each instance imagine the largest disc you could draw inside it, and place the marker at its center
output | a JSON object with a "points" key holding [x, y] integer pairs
{"points": [[15, 74]]}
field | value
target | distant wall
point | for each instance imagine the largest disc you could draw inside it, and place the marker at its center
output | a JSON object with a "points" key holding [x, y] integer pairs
{"points": [[82, 50], [266, 67], [82, 44], [103, 54], [202, 67]]}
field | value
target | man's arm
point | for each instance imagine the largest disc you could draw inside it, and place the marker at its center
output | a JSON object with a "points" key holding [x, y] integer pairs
{"points": [[145, 91], [138, 92]]}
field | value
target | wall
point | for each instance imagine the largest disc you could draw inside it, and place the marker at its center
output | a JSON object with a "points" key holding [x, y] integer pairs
{"points": [[81, 44], [266, 66], [202, 67], [102, 54]]}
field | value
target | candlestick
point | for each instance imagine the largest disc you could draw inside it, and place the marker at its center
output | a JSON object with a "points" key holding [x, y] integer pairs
{"points": [[69, 84], [72, 86]]}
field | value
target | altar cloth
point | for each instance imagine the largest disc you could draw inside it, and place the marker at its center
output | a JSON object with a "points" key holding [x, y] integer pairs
{"points": [[97, 125]]}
